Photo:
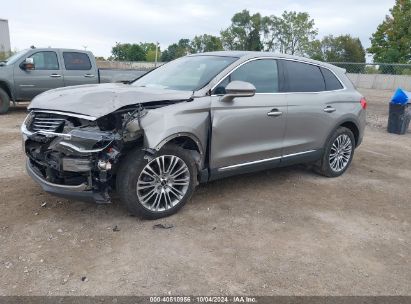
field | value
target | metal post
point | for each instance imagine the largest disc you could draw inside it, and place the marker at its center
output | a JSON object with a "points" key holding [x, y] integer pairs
{"points": [[155, 63]]}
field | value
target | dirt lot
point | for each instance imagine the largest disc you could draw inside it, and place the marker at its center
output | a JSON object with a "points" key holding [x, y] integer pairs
{"points": [[279, 232]]}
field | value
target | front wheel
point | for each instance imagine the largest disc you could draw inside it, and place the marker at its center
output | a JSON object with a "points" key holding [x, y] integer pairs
{"points": [[158, 187], [338, 153]]}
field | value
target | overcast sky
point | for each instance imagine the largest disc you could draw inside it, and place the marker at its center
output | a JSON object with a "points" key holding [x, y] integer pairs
{"points": [[98, 24]]}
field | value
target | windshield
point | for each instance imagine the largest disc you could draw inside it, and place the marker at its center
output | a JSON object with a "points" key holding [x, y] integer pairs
{"points": [[186, 74], [14, 58]]}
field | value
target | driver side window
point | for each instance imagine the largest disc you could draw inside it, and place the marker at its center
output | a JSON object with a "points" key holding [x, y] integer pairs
{"points": [[45, 60], [262, 73]]}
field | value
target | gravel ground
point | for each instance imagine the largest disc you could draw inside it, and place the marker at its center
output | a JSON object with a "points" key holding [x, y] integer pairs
{"points": [[279, 232]]}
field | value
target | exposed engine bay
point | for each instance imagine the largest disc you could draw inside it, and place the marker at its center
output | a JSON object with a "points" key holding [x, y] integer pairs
{"points": [[77, 152]]}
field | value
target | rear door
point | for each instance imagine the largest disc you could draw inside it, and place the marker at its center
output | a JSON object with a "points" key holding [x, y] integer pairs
{"points": [[47, 74], [249, 131], [314, 105], [79, 68]]}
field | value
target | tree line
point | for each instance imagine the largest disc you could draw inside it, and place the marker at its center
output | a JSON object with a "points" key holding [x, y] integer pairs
{"points": [[292, 33]]}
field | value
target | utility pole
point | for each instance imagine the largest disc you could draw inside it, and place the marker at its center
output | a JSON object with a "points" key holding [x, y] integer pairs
{"points": [[155, 63]]}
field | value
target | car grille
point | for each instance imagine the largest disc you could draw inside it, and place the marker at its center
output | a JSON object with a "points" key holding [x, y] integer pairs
{"points": [[47, 122]]}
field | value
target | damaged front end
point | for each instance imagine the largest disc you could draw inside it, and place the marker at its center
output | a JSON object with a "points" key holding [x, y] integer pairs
{"points": [[77, 156]]}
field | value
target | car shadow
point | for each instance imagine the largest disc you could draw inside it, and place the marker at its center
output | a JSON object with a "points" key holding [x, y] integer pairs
{"points": [[236, 185], [18, 108], [224, 187], [261, 176]]}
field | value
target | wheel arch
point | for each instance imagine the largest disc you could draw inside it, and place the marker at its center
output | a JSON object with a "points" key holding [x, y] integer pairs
{"points": [[187, 141], [6, 87], [353, 127], [348, 123]]}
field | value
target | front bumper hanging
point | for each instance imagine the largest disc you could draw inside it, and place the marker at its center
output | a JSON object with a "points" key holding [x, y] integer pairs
{"points": [[81, 192]]}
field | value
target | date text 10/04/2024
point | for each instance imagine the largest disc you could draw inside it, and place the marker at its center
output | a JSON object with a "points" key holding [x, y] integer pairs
{"points": [[205, 299]]}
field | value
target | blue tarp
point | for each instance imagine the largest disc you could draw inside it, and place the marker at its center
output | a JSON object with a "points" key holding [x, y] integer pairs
{"points": [[401, 97]]}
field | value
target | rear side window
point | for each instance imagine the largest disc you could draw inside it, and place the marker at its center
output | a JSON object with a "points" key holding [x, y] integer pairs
{"points": [[76, 61], [303, 77], [262, 73], [331, 82]]}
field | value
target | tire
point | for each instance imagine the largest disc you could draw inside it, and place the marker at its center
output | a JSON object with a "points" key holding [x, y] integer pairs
{"points": [[4, 102], [334, 163], [156, 199]]}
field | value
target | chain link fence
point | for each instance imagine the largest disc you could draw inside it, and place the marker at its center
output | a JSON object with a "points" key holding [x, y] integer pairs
{"points": [[375, 68]]}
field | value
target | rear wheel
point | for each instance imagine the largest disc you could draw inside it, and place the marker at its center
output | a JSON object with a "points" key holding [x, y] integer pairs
{"points": [[4, 102], [338, 153], [158, 187]]}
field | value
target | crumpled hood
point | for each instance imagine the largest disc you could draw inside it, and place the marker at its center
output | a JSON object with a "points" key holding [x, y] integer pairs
{"points": [[98, 100]]}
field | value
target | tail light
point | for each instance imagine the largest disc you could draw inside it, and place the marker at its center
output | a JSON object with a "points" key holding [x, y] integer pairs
{"points": [[363, 102]]}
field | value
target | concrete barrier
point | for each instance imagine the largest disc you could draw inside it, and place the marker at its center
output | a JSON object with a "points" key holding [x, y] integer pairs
{"points": [[381, 81], [124, 65]]}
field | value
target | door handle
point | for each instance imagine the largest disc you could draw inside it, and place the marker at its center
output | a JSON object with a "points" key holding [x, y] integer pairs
{"points": [[275, 113], [329, 109], [55, 75], [89, 75]]}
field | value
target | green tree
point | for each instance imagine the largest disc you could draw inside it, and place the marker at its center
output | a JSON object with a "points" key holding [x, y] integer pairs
{"points": [[147, 46], [128, 52], [151, 55], [206, 43], [5, 55], [292, 33], [150, 51], [343, 48], [315, 51], [392, 41], [176, 50], [244, 33], [184, 47]]}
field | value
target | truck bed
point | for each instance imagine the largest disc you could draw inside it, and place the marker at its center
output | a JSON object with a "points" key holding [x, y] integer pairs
{"points": [[118, 75]]}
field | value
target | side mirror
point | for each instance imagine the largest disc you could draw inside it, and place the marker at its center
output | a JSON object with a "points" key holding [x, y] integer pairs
{"points": [[238, 89], [28, 64]]}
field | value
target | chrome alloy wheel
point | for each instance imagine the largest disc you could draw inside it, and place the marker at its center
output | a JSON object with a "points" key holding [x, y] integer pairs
{"points": [[340, 153], [163, 183]]}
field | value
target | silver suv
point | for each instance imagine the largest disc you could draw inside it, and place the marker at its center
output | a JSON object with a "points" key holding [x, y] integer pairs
{"points": [[195, 119]]}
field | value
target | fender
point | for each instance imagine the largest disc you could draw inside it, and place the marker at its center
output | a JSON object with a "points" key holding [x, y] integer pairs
{"points": [[341, 122], [190, 120]]}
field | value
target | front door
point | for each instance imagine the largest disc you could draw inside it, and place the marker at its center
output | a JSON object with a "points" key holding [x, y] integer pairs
{"points": [[46, 75], [248, 132]]}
